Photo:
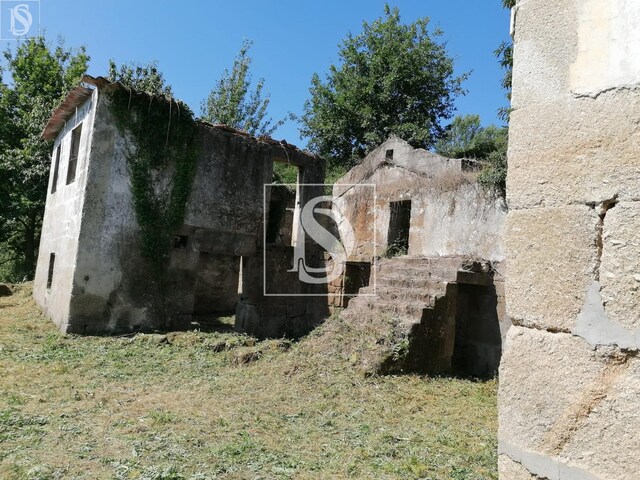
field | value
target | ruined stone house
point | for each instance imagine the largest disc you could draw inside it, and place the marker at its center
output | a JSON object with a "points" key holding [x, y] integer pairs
{"points": [[91, 276], [569, 402], [427, 254], [233, 251]]}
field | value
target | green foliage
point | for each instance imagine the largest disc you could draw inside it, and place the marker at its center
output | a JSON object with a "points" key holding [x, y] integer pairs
{"points": [[392, 79], [397, 248], [460, 137], [334, 171], [467, 138], [163, 145], [232, 103], [504, 53], [285, 173], [493, 175], [41, 76], [313, 393], [143, 78]]}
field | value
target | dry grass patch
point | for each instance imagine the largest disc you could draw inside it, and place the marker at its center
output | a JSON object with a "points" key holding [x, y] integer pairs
{"points": [[183, 407]]}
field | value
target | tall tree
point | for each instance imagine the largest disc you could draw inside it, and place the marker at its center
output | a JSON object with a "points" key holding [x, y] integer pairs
{"points": [[144, 78], [392, 79], [505, 57], [467, 138], [41, 75], [233, 102]]}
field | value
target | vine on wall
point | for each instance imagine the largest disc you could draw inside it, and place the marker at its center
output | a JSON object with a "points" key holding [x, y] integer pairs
{"points": [[162, 163]]}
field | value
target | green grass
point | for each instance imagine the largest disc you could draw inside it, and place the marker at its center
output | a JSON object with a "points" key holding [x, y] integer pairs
{"points": [[183, 406]]}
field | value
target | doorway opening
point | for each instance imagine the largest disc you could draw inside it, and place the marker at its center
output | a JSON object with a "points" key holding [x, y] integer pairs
{"points": [[279, 228], [356, 276], [399, 225], [478, 340]]}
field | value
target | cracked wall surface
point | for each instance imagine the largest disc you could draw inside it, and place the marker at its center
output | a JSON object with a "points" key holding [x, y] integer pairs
{"points": [[569, 379]]}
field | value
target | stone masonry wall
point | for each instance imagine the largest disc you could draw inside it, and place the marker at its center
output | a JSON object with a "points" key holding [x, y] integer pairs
{"points": [[569, 379], [451, 214]]}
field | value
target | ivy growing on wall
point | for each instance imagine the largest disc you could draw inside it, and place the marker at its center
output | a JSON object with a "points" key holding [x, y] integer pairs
{"points": [[162, 161]]}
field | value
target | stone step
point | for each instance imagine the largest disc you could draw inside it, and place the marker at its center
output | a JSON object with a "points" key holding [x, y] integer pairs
{"points": [[403, 267], [400, 279], [413, 310], [438, 262], [427, 296], [403, 277], [436, 272]]}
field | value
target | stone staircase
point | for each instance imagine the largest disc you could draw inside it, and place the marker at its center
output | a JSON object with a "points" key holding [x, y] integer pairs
{"points": [[411, 303]]}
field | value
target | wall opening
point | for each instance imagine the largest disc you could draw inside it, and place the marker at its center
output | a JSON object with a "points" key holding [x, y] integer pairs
{"points": [[216, 288], [279, 226], [399, 225], [52, 261], [388, 155], [478, 341], [56, 167], [180, 242], [356, 276], [73, 153]]}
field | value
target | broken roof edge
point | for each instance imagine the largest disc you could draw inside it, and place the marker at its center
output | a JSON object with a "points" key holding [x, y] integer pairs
{"points": [[83, 91], [287, 147], [376, 160]]}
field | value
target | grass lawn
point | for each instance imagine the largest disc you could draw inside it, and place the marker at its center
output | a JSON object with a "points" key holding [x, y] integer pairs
{"points": [[220, 405]]}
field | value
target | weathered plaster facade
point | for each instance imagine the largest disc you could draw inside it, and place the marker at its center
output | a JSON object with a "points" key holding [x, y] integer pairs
{"points": [[570, 375], [451, 215], [99, 281], [442, 291]]}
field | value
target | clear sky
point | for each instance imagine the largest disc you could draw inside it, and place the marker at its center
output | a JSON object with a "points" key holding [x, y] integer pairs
{"points": [[195, 40]]}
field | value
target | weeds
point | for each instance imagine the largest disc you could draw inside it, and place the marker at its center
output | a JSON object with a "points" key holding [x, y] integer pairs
{"points": [[178, 407]]}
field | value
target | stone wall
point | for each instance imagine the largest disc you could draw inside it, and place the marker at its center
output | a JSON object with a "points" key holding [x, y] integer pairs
{"points": [[102, 283], [570, 375], [451, 215], [114, 289]]}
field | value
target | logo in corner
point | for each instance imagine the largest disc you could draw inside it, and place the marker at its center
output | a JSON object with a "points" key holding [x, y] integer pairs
{"points": [[22, 15], [17, 18]]}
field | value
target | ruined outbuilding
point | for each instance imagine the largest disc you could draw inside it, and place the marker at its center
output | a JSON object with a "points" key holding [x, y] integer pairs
{"points": [[425, 258], [569, 402], [92, 276], [427, 262]]}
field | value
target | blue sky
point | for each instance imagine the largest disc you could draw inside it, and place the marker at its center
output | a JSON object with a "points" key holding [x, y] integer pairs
{"points": [[195, 40]]}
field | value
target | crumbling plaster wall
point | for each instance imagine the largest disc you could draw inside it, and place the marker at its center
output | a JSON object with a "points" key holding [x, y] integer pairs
{"points": [[113, 288], [570, 375], [451, 215], [62, 219]]}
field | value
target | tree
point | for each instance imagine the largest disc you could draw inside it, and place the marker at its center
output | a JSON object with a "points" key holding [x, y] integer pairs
{"points": [[144, 78], [494, 174], [467, 138], [460, 137], [504, 53], [41, 76], [231, 102], [392, 79]]}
